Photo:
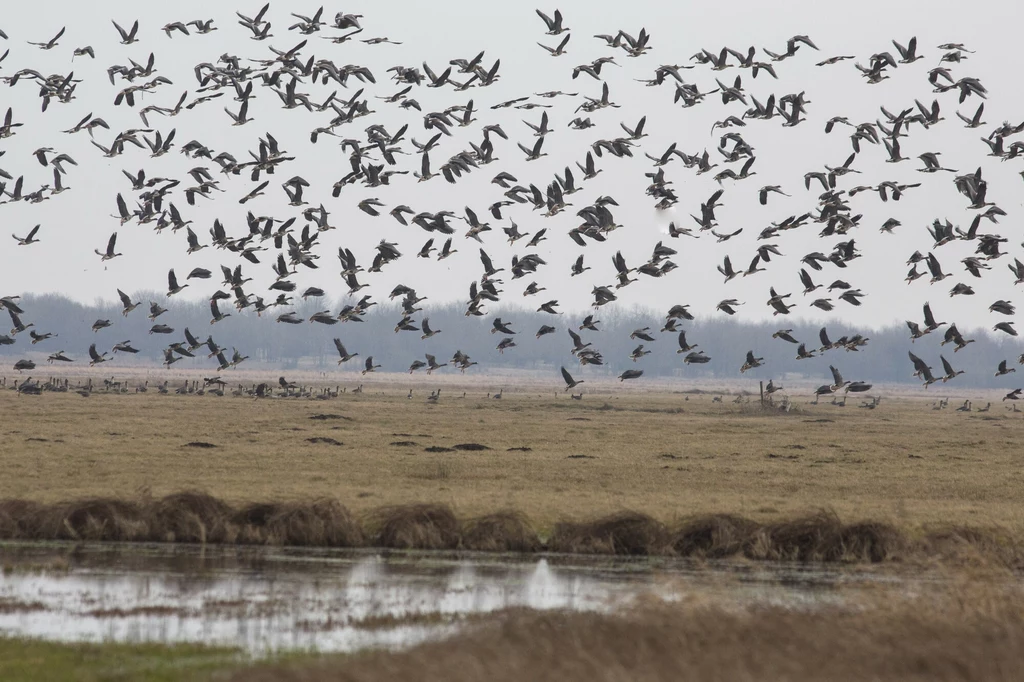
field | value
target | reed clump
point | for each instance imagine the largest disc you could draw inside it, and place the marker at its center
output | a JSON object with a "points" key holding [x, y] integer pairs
{"points": [[504, 531], [197, 517], [625, 533], [416, 526]]}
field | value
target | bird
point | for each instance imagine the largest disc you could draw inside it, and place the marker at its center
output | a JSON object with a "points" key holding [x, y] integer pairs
{"points": [[30, 238], [345, 356], [569, 381], [172, 284], [109, 254], [369, 366]]}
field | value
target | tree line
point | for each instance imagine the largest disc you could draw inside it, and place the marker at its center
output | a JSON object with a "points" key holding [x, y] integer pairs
{"points": [[309, 346]]}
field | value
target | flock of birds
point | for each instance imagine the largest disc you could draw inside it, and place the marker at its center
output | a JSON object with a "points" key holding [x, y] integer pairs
{"points": [[377, 157]]}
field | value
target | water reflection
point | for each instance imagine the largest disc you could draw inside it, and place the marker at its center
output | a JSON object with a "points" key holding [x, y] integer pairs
{"points": [[272, 599]]}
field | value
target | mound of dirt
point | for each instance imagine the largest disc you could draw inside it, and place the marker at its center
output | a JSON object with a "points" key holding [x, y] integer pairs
{"points": [[325, 440]]}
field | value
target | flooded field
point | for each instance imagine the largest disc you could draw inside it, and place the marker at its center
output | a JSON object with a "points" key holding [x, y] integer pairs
{"points": [[269, 600]]}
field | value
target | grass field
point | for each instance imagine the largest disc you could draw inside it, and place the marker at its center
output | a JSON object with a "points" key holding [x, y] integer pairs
{"points": [[27, 661], [668, 455]]}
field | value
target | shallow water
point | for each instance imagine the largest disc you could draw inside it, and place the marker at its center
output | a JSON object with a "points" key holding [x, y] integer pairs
{"points": [[263, 600]]}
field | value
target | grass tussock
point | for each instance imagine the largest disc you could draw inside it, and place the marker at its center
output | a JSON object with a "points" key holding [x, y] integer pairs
{"points": [[18, 519], [98, 519], [714, 536], [191, 516], [416, 526], [323, 523], [196, 517], [506, 531], [625, 533], [966, 545]]}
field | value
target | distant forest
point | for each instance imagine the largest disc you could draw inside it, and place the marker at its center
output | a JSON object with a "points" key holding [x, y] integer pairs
{"points": [[275, 345]]}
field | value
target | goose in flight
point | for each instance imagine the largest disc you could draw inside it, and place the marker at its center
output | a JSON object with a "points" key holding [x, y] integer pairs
{"points": [[216, 314], [554, 24], [109, 253], [172, 284], [126, 302], [696, 358], [837, 379], [96, 357], [631, 374], [638, 353], [498, 326], [370, 367], [128, 37], [51, 43], [751, 362], [1003, 370], [785, 335], [557, 51], [30, 238], [569, 381]]}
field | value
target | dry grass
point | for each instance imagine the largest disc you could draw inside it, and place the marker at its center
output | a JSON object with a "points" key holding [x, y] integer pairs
{"points": [[504, 531], [629, 533], [903, 463], [416, 526], [965, 634], [200, 518]]}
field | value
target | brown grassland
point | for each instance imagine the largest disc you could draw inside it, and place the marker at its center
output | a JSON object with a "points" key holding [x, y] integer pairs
{"points": [[965, 632], [549, 457]]}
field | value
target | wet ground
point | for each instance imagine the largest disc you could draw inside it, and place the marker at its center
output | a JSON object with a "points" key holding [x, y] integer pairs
{"points": [[263, 600]]}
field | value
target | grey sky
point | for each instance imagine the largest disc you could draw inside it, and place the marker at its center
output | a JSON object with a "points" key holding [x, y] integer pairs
{"points": [[75, 223]]}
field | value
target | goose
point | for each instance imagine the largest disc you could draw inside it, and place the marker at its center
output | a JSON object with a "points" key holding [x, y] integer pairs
{"points": [[427, 331], [109, 254], [837, 379], [97, 358], [432, 363], [535, 153], [1003, 370], [51, 43], [124, 347], [172, 284], [631, 374], [554, 24], [560, 49], [498, 326], [570, 383], [216, 314], [785, 335], [128, 37], [370, 367], [751, 362], [30, 238]]}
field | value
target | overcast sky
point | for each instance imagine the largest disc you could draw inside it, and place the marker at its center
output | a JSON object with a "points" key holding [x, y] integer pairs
{"points": [[79, 221]]}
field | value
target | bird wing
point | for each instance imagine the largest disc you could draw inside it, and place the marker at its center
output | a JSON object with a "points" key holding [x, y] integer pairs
{"points": [[837, 378], [567, 376]]}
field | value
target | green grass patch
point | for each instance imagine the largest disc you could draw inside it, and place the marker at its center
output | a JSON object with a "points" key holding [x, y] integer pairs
{"points": [[29, 660]]}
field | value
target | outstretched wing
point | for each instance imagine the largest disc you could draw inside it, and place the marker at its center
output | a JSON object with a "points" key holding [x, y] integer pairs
{"points": [[567, 377]]}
